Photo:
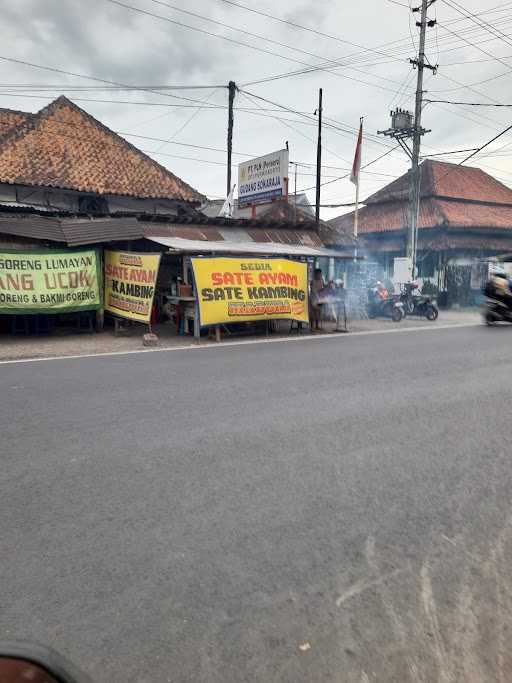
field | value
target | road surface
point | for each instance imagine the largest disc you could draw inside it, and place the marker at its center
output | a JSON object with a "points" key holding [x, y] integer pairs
{"points": [[329, 510]]}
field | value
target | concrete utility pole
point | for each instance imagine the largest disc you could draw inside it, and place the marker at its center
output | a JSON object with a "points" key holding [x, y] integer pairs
{"points": [[232, 91], [415, 178], [319, 157]]}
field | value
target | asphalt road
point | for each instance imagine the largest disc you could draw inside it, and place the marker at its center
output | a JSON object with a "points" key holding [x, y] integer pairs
{"points": [[316, 511]]}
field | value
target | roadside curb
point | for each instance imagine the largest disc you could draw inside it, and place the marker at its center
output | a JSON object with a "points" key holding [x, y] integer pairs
{"points": [[245, 342]]}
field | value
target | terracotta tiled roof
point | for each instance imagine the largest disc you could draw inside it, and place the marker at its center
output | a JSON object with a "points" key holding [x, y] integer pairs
{"points": [[452, 196], [10, 119], [460, 214], [63, 146], [434, 213], [283, 211], [439, 179]]}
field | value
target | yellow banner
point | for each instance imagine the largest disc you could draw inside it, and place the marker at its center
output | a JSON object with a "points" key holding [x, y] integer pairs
{"points": [[49, 281], [233, 290], [130, 280]]}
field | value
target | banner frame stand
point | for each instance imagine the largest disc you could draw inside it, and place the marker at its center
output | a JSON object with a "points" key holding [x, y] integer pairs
{"points": [[198, 323], [33, 308]]}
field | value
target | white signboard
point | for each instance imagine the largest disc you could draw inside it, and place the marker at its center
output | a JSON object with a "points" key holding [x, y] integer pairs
{"points": [[263, 179], [402, 270]]}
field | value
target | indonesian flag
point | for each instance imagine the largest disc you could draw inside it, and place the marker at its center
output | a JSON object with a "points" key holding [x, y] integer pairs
{"points": [[356, 166]]}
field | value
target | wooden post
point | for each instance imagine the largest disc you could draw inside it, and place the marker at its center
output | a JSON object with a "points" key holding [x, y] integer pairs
{"points": [[318, 159], [100, 319], [197, 326], [185, 271], [217, 333], [232, 92]]}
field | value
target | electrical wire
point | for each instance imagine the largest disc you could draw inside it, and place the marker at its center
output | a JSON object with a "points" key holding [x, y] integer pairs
{"points": [[261, 112], [250, 96], [116, 88], [477, 151], [155, 89], [399, 93], [455, 151], [303, 28], [305, 71], [83, 138], [472, 44], [328, 127], [336, 63], [188, 121], [473, 61], [479, 22], [321, 67], [329, 182], [22, 62], [410, 29], [469, 104], [437, 36], [376, 50], [138, 103], [309, 118]]}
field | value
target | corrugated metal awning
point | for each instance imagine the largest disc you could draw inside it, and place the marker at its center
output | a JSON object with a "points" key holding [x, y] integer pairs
{"points": [[92, 231], [180, 245], [71, 231]]}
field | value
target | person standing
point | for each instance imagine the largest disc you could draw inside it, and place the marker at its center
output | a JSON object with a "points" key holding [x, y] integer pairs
{"points": [[317, 285]]}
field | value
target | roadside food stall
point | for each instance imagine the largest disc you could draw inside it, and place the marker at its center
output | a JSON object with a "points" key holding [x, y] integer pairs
{"points": [[218, 284], [142, 268], [51, 269]]}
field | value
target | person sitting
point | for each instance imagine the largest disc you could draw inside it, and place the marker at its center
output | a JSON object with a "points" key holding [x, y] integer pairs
{"points": [[500, 283], [498, 287], [167, 310], [382, 292]]}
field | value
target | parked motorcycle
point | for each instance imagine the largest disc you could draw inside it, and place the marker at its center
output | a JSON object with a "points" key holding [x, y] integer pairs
{"points": [[380, 304], [418, 304]]}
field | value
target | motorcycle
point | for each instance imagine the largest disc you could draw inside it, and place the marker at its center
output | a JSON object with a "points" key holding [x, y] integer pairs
{"points": [[497, 311], [20, 662], [498, 306], [386, 306], [418, 304]]}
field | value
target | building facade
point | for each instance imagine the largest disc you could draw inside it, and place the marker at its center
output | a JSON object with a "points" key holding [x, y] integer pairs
{"points": [[465, 219], [63, 159]]}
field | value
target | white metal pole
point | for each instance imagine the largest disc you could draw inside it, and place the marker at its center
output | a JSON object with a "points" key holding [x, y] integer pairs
{"points": [[356, 212]]}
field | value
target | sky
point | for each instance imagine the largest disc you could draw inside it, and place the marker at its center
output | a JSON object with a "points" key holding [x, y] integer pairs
{"points": [[183, 53]]}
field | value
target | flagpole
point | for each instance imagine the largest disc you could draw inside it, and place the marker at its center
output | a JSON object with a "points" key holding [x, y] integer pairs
{"points": [[358, 153], [356, 212], [356, 170]]}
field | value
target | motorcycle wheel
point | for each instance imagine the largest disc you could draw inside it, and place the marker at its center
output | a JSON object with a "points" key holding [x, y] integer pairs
{"points": [[396, 315], [489, 318], [432, 313]]}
